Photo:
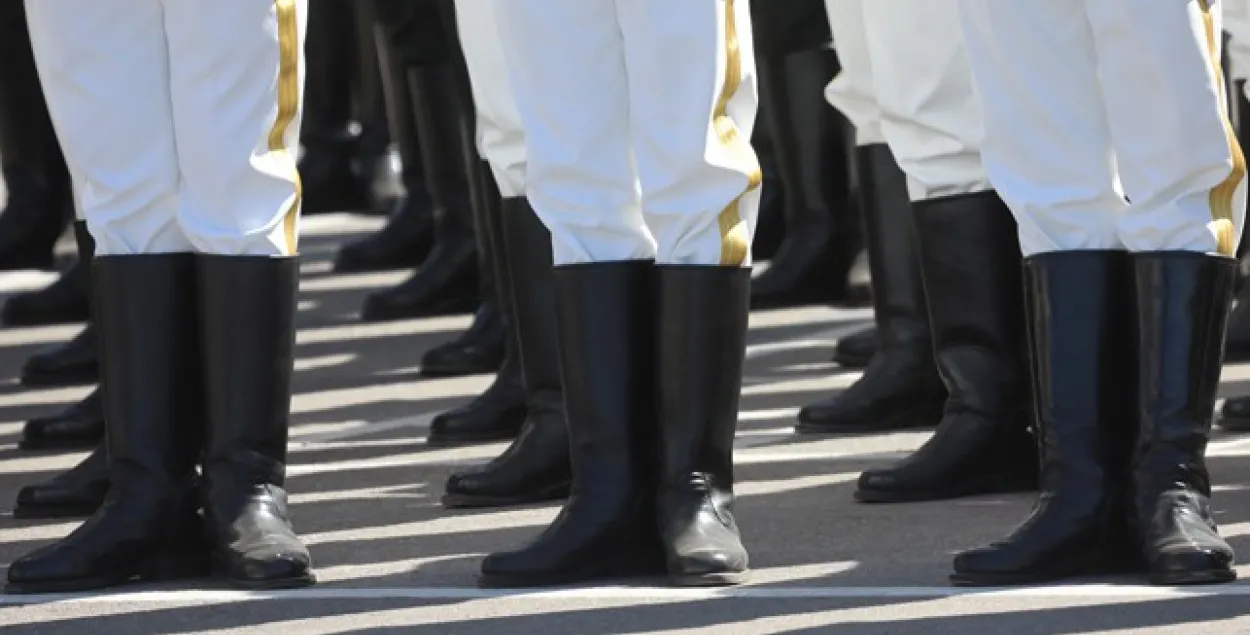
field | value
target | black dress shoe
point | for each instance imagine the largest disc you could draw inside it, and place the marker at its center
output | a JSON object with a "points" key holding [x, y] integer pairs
{"points": [[857, 349], [77, 427]]}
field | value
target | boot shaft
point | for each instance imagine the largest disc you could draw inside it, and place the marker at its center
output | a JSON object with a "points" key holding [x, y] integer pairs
{"points": [[1079, 304], [146, 311], [702, 326], [443, 129], [898, 294], [971, 261], [247, 308], [531, 288], [607, 358], [1182, 309]]}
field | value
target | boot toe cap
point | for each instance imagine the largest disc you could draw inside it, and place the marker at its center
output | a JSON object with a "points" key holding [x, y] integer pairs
{"points": [[1192, 566], [279, 568]]}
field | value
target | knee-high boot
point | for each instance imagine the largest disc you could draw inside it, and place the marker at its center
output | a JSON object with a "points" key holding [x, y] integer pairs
{"points": [[702, 323], [976, 314], [500, 410], [822, 236], [536, 466], [481, 347], [148, 528], [1182, 310], [607, 350], [1080, 308], [247, 312], [40, 202], [75, 361], [406, 239], [446, 281], [901, 387]]}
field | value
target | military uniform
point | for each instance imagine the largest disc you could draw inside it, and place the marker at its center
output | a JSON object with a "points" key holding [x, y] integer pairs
{"points": [[637, 119], [179, 121], [1107, 134], [908, 89]]}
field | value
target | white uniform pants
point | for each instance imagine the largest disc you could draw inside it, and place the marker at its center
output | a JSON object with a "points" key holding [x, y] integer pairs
{"points": [[500, 135], [178, 119], [905, 81], [1130, 105], [618, 96]]}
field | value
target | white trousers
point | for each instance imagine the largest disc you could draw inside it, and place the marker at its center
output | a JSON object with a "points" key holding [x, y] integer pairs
{"points": [[500, 135], [178, 119], [638, 117], [905, 81], [1088, 102]]}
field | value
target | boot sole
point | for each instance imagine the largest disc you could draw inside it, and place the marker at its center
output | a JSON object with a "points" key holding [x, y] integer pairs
{"points": [[911, 419], [167, 569], [271, 585], [458, 371], [471, 501], [995, 484], [1190, 578], [51, 513], [710, 579]]}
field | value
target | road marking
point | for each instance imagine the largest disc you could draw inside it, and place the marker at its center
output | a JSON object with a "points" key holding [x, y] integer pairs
{"points": [[631, 593]]}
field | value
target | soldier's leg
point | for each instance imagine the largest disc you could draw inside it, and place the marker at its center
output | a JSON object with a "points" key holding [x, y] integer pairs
{"points": [[105, 72], [239, 204], [536, 466], [900, 388], [566, 68], [692, 107], [1048, 151], [1185, 175], [969, 257]]}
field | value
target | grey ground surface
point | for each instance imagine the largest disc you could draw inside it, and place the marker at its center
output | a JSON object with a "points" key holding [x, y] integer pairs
{"points": [[365, 492]]}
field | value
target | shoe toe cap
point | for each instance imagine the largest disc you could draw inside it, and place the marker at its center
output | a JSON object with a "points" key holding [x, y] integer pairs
{"points": [[279, 566]]}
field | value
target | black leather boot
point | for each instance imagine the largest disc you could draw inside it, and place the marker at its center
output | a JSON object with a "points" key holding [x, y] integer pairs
{"points": [[148, 528], [702, 322], [40, 203], [78, 426], [481, 348], [1080, 306], [976, 314], [64, 300], [1182, 310], [535, 467], [446, 281], [607, 350], [1235, 415], [247, 309], [331, 178], [901, 387], [857, 349], [375, 157], [499, 412], [822, 237], [77, 492], [406, 239]]}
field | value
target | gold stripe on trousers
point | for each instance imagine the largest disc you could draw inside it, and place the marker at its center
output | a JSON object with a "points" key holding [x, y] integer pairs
{"points": [[1222, 195], [288, 108], [735, 236]]}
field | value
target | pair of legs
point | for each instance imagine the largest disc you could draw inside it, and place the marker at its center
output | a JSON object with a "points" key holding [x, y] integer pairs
{"points": [[637, 120], [944, 259], [1117, 159], [178, 122]]}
